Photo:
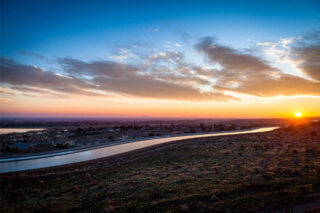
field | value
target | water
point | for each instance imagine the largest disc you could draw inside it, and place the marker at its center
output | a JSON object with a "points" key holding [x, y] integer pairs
{"points": [[16, 130], [59, 159]]}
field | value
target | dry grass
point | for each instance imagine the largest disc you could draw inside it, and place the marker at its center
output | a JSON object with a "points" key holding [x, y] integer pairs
{"points": [[225, 174]]}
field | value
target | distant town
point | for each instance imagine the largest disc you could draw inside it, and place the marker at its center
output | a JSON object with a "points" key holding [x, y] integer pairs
{"points": [[60, 134]]}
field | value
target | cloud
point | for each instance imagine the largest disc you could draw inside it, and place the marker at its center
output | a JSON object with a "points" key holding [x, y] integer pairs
{"points": [[170, 56], [264, 86], [17, 74], [6, 100], [311, 61], [308, 52], [185, 36], [105, 77], [146, 86], [5, 91], [203, 71], [32, 54], [231, 59], [301, 53], [38, 92], [96, 68], [248, 74], [167, 74], [128, 80], [181, 79], [123, 54]]}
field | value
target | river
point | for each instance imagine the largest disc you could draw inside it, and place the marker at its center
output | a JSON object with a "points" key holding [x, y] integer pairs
{"points": [[15, 164]]}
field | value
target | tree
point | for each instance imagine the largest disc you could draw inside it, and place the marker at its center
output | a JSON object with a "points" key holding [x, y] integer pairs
{"points": [[151, 134]]}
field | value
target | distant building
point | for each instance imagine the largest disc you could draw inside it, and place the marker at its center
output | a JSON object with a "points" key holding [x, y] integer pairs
{"points": [[19, 146]]}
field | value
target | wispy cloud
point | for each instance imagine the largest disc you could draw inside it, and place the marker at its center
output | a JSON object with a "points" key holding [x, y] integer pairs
{"points": [[32, 54], [6, 100]]}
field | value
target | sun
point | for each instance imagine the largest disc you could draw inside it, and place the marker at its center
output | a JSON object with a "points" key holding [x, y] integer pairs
{"points": [[298, 114]]}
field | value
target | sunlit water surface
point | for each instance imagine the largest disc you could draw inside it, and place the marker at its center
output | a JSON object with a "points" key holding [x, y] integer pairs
{"points": [[16, 130]]}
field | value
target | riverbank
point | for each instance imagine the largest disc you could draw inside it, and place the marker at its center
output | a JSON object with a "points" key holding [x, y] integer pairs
{"points": [[223, 174]]}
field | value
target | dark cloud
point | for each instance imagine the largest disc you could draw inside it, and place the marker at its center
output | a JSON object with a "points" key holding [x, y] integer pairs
{"points": [[105, 77], [25, 75], [96, 68], [308, 51], [32, 54], [231, 59]]}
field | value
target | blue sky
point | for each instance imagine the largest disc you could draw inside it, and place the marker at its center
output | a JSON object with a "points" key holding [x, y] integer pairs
{"points": [[89, 30]]}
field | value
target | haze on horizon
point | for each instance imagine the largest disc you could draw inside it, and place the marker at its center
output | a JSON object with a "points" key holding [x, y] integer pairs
{"points": [[213, 59]]}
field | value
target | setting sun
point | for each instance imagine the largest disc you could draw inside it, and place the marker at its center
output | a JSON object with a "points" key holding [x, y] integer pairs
{"points": [[298, 114]]}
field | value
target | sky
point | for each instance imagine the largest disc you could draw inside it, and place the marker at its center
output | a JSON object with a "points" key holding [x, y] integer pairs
{"points": [[186, 59]]}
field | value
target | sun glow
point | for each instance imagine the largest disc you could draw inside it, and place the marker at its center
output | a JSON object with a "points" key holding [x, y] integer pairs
{"points": [[298, 114]]}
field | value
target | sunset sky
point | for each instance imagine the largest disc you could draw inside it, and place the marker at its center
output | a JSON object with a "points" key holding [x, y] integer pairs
{"points": [[205, 59]]}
